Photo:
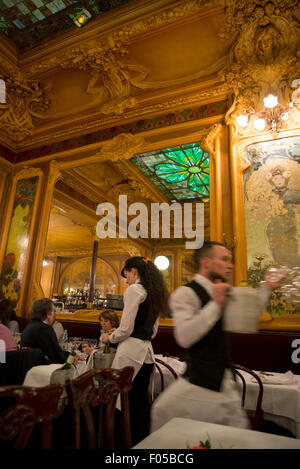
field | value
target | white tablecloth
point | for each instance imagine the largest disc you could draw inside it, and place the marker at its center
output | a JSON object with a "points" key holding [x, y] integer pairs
{"points": [[43, 375], [281, 402], [180, 433]]}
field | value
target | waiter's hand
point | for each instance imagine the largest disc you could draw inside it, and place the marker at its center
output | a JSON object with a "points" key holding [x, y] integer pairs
{"points": [[105, 338], [219, 293], [111, 330], [273, 285]]}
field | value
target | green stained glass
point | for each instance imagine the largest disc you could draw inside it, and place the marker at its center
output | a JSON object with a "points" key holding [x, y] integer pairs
{"points": [[181, 172]]}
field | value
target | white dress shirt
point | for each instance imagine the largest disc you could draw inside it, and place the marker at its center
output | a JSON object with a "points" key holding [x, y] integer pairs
{"points": [[183, 399], [132, 351], [192, 322]]}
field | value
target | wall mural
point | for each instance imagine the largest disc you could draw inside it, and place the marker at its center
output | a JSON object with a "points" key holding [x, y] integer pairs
{"points": [[272, 211], [15, 255]]}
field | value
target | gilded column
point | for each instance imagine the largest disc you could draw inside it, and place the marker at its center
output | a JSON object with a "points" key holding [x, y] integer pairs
{"points": [[93, 269], [39, 236], [212, 145], [238, 218]]}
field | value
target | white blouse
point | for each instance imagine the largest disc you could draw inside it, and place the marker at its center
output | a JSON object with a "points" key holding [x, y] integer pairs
{"points": [[132, 351]]}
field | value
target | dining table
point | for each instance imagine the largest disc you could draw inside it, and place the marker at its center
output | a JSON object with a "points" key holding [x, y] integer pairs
{"points": [[281, 398], [183, 433]]}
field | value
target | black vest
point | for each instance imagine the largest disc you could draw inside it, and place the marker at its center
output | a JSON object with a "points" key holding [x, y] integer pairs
{"points": [[144, 322], [207, 359]]}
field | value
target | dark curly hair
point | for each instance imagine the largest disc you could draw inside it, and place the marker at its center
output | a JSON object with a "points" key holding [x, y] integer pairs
{"points": [[152, 280]]}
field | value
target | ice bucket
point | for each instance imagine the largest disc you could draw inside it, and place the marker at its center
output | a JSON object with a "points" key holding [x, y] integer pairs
{"points": [[103, 360], [242, 310]]}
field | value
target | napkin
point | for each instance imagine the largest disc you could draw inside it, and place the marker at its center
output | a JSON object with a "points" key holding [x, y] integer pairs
{"points": [[274, 378], [90, 362], [40, 375]]}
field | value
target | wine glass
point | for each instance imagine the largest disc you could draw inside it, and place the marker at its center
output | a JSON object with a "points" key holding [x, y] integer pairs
{"points": [[76, 342], [93, 342], [276, 273]]}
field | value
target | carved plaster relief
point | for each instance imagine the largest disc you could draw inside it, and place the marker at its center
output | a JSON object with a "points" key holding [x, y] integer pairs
{"points": [[265, 58], [26, 103]]}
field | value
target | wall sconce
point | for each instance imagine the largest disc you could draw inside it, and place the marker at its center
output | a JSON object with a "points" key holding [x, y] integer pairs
{"points": [[82, 18], [271, 119]]}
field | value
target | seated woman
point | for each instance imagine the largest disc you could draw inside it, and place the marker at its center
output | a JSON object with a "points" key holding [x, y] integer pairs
{"points": [[6, 307], [108, 320]]}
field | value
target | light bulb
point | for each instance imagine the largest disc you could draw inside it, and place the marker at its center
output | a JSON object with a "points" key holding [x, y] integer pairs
{"points": [[161, 262], [285, 116], [270, 101], [242, 120], [259, 124], [45, 263]]}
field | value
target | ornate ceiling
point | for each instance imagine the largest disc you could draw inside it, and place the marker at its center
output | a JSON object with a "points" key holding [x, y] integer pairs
{"points": [[29, 23], [162, 73]]}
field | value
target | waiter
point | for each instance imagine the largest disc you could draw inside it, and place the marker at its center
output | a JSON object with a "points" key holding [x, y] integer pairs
{"points": [[207, 390]]}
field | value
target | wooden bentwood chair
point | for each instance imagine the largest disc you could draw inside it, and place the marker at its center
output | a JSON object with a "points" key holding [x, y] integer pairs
{"points": [[159, 364], [93, 398], [256, 421]]}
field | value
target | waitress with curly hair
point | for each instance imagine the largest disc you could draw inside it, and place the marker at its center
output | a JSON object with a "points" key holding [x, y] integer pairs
{"points": [[145, 300]]}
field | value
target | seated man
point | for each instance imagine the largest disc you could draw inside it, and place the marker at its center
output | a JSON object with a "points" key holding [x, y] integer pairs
{"points": [[207, 390], [40, 334]]}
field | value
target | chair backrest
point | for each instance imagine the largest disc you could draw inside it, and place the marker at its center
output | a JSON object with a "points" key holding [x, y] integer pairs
{"points": [[159, 364], [47, 359], [17, 363], [22, 408], [93, 398], [257, 421]]}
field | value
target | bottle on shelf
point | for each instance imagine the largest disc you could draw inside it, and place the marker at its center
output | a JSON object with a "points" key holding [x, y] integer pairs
{"points": [[70, 360]]}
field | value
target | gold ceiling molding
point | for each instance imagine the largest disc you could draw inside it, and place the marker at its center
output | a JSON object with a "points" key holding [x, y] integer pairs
{"points": [[265, 57], [111, 79], [81, 185], [218, 91], [114, 42], [179, 11], [26, 102], [26, 173], [134, 182], [121, 147], [68, 252], [139, 188], [112, 76], [130, 247]]}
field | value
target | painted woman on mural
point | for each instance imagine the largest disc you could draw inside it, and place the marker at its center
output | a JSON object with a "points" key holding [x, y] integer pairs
{"points": [[282, 233]]}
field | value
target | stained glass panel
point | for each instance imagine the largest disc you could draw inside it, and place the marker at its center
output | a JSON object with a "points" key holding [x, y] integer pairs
{"points": [[30, 22], [181, 173]]}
